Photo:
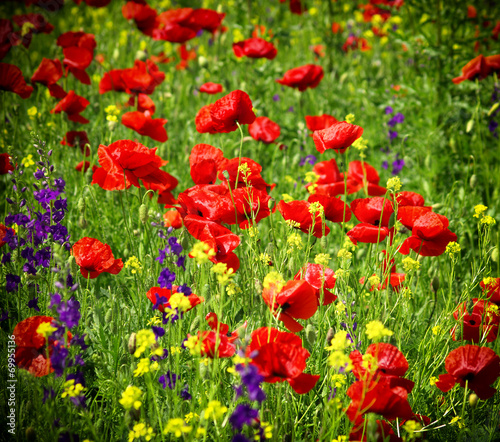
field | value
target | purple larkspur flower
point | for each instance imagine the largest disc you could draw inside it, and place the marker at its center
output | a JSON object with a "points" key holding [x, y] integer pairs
{"points": [[184, 289], [39, 174], [388, 110], [168, 380], [291, 109], [13, 282], [392, 134], [42, 257], [69, 312], [6, 257], [276, 97], [158, 331], [184, 394], [60, 184], [252, 380], [45, 196], [58, 358], [181, 262], [33, 303], [55, 299], [166, 279], [311, 159], [396, 119], [242, 415], [397, 166], [492, 126], [238, 437], [79, 340]]}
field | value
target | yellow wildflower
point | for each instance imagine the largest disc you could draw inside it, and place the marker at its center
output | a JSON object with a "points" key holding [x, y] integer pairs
{"points": [[214, 410], [349, 118], [131, 398], [177, 427], [452, 248], [479, 210], [436, 330], [134, 264], [287, 198], [410, 264], [194, 344], [339, 341], [322, 259], [202, 252], [360, 144], [375, 330], [488, 220], [374, 281], [72, 390], [273, 278], [45, 329], [224, 274], [190, 416], [293, 224], [28, 161], [394, 184], [344, 254], [32, 112], [338, 380], [142, 367], [145, 338], [433, 380], [294, 241]]}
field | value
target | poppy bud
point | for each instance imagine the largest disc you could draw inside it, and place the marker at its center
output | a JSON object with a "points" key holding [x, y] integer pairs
{"points": [[473, 181], [132, 343], [194, 324], [30, 434], [310, 335], [141, 55], [435, 284], [143, 213], [360, 253], [73, 266], [329, 336], [82, 222], [473, 400], [271, 203], [494, 254], [436, 206], [81, 206]]}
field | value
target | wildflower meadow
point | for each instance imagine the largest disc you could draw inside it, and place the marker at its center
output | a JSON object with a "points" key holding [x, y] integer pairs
{"points": [[249, 220]]}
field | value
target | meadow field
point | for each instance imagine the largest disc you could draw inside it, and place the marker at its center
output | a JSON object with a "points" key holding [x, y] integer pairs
{"points": [[247, 220]]}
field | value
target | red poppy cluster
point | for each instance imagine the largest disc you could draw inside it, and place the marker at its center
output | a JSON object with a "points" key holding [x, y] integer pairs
{"points": [[380, 387], [255, 47], [319, 122], [481, 323], [174, 25], [338, 136], [280, 357], [78, 49], [12, 80], [491, 288], [241, 199], [93, 257]]}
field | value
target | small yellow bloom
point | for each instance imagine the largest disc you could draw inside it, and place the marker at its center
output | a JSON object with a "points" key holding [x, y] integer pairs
{"points": [[134, 264], [145, 338], [202, 252], [338, 359], [374, 281], [45, 329], [338, 380], [433, 380], [174, 350], [194, 344], [265, 259], [155, 320], [341, 439], [177, 427], [316, 208], [286, 198], [342, 274], [479, 210], [340, 307], [224, 274], [273, 278], [344, 254], [339, 342], [311, 177], [232, 289], [437, 330], [349, 118], [292, 224], [142, 367], [412, 426], [410, 264], [458, 421], [28, 161], [360, 144], [375, 331], [32, 112], [294, 241], [394, 184], [253, 231], [322, 259], [72, 390], [131, 398], [180, 302], [190, 416], [214, 410], [488, 220]]}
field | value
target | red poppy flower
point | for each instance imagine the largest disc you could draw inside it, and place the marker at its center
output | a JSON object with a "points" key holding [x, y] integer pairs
{"points": [[144, 103], [491, 289], [75, 138], [265, 130], [335, 209], [211, 202], [331, 181], [478, 366], [143, 124], [280, 357], [12, 80], [375, 211], [430, 235], [125, 162], [368, 233], [362, 175], [479, 68], [481, 324], [387, 362], [160, 58], [378, 396], [164, 190], [78, 49], [320, 122], [34, 24], [303, 77], [296, 300], [206, 19], [211, 88], [407, 198], [31, 348], [5, 165], [230, 109], [3, 231], [155, 294], [255, 48], [251, 206], [72, 105], [205, 161], [49, 73], [407, 215], [172, 218], [321, 279], [298, 211], [252, 177], [95, 258], [337, 28], [186, 55], [203, 120], [384, 431], [354, 42], [143, 15], [370, 11], [338, 137], [219, 238], [221, 328]]}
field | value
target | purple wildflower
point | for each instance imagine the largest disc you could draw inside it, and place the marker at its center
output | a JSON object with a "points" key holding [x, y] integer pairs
{"points": [[13, 282], [33, 303], [69, 312], [243, 415], [169, 379], [276, 97], [58, 358], [388, 110], [55, 299], [158, 331], [166, 279], [311, 159], [396, 119], [397, 166]]}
